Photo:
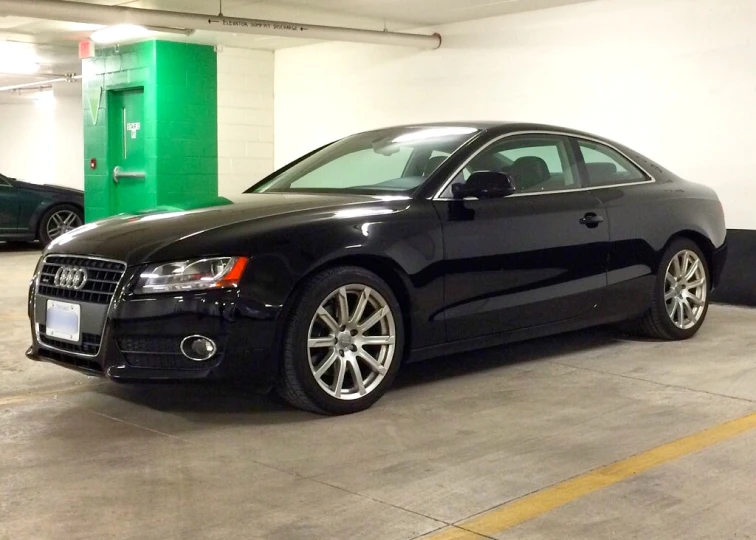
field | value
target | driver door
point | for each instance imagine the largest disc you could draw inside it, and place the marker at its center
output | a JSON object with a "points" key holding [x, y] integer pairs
{"points": [[532, 258]]}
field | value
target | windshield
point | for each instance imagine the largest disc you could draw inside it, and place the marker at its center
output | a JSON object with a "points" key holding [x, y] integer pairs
{"points": [[395, 161]]}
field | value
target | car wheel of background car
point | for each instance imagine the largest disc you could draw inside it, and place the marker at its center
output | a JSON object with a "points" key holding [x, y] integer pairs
{"points": [[343, 342], [681, 294], [59, 220]]}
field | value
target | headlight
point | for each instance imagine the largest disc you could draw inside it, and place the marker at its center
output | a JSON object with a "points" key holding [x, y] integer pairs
{"points": [[191, 275]]}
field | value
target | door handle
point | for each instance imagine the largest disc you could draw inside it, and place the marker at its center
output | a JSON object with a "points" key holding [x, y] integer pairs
{"points": [[591, 220], [119, 173]]}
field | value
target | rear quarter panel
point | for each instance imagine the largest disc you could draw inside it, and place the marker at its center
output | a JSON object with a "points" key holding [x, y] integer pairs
{"points": [[643, 219]]}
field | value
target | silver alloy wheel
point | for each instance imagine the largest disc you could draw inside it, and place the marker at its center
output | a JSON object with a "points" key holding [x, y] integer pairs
{"points": [[61, 222], [351, 342], [685, 289]]}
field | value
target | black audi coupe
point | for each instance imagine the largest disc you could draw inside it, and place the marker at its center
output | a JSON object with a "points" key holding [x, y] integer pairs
{"points": [[384, 247]]}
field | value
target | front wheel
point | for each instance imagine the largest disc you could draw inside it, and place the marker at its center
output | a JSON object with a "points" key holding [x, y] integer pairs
{"points": [[343, 342], [681, 294]]}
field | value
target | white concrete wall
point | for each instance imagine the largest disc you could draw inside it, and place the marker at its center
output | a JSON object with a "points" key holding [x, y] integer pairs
{"points": [[674, 79], [245, 118], [43, 141], [69, 137]]}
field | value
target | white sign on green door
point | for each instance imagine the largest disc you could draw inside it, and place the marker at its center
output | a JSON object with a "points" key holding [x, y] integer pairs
{"points": [[133, 127]]}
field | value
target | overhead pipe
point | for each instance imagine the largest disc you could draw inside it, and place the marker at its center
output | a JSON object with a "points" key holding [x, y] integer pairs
{"points": [[40, 84], [63, 10], [169, 30]]}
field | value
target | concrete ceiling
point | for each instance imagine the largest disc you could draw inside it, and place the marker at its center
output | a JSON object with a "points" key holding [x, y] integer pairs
{"points": [[56, 42]]}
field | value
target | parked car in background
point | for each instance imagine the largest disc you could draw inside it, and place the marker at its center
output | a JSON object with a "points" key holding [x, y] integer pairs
{"points": [[41, 212], [382, 248]]}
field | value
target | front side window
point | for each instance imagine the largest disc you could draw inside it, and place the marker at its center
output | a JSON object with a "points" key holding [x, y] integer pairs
{"points": [[606, 166], [536, 163], [390, 161]]}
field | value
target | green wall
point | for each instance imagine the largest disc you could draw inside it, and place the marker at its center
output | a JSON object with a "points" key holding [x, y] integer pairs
{"points": [[179, 126]]}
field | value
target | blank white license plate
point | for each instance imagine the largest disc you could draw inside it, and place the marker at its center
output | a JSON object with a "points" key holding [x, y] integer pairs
{"points": [[63, 320]]}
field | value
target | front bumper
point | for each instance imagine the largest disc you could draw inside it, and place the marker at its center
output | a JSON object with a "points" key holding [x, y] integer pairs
{"points": [[137, 338]]}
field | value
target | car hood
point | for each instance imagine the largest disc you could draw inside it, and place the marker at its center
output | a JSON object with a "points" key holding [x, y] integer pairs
{"points": [[47, 188], [164, 235]]}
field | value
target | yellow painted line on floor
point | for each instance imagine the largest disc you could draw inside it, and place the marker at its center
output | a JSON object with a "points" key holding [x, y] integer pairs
{"points": [[32, 396], [536, 504]]}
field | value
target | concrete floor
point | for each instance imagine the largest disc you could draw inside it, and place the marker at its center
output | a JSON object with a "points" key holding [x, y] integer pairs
{"points": [[83, 458]]}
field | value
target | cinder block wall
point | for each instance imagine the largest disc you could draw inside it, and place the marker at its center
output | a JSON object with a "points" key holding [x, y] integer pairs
{"points": [[245, 118], [179, 126], [244, 135]]}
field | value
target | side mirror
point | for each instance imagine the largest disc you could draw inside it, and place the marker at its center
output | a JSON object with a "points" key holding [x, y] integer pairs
{"points": [[485, 185]]}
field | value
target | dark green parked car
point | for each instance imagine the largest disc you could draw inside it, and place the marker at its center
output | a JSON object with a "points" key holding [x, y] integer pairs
{"points": [[38, 212]]}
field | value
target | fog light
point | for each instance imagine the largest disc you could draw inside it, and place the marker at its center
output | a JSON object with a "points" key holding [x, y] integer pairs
{"points": [[198, 348]]}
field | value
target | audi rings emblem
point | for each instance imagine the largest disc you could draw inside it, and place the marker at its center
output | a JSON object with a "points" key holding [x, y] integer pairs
{"points": [[71, 277]]}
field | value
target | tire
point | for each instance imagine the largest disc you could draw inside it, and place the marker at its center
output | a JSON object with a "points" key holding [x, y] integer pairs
{"points": [[59, 220], [322, 347], [661, 321]]}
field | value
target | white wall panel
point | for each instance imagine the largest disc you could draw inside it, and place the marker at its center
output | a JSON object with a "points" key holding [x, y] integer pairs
{"points": [[69, 138], [245, 118], [43, 141]]}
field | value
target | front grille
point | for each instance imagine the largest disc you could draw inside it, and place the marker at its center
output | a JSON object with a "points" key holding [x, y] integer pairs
{"points": [[102, 279], [158, 352], [90, 343], [167, 361], [150, 344]]}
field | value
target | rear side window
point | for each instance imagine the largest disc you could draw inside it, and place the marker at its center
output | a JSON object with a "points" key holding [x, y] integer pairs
{"points": [[606, 166]]}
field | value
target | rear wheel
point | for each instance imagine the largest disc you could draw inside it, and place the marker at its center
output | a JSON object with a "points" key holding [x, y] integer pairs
{"points": [[342, 344], [59, 220], [681, 294]]}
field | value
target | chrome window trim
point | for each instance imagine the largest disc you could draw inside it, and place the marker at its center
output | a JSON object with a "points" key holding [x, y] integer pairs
{"points": [[107, 311], [651, 180], [5, 183]]}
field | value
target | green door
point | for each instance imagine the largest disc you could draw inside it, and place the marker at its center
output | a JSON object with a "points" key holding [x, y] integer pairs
{"points": [[129, 192]]}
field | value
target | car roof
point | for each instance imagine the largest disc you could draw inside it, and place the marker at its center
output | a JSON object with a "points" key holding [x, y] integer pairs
{"points": [[502, 127], [508, 127]]}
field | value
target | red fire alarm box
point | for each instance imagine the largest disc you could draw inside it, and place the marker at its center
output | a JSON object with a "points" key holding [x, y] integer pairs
{"points": [[86, 49]]}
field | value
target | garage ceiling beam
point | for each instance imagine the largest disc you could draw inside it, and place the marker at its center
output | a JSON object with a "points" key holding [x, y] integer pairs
{"points": [[60, 10]]}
